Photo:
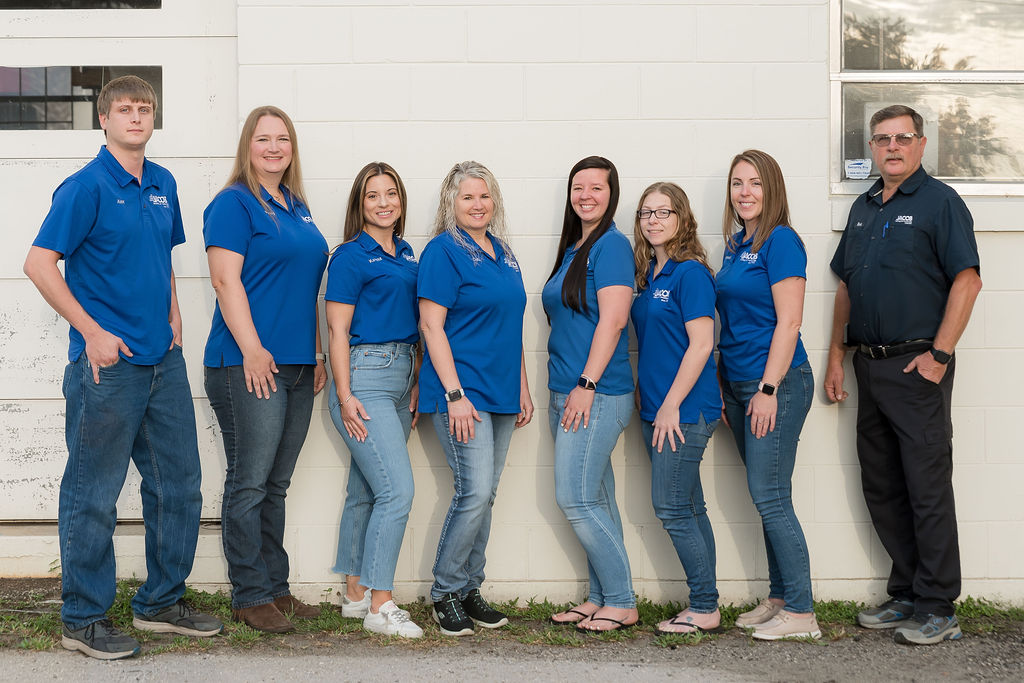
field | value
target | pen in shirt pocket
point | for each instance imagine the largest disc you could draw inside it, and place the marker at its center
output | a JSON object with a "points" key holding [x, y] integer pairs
{"points": [[885, 228]]}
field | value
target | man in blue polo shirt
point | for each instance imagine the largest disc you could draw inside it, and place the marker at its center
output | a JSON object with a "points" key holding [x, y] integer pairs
{"points": [[114, 223], [909, 275]]}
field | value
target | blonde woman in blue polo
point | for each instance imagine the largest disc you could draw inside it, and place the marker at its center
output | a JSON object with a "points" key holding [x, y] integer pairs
{"points": [[372, 317]]}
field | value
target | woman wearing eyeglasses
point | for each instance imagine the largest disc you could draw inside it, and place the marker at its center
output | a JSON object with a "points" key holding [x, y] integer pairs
{"points": [[674, 317], [587, 298], [766, 380]]}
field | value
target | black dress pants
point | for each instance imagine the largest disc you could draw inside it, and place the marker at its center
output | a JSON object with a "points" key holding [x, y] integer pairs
{"points": [[904, 443]]}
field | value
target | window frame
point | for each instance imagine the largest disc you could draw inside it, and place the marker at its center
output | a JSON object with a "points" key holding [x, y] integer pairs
{"points": [[839, 185]]}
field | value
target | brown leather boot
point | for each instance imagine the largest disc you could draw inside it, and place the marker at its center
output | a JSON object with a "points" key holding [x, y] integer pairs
{"points": [[266, 618], [291, 605]]}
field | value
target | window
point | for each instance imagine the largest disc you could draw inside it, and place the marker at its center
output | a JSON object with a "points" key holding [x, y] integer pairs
{"points": [[62, 97], [960, 63], [80, 4]]}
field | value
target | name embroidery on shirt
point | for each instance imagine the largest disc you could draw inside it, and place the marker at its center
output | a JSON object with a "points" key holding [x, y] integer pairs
{"points": [[906, 220], [120, 202], [159, 200], [748, 257], [374, 260], [661, 294]]}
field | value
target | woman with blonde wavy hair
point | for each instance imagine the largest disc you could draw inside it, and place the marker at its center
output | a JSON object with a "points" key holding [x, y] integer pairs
{"points": [[264, 361], [677, 389], [473, 381]]}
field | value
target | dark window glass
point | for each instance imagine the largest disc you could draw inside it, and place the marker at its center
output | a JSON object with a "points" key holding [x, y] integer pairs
{"points": [[63, 97], [80, 4]]}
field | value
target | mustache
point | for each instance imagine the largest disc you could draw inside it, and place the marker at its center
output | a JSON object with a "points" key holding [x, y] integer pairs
{"points": [[894, 157]]}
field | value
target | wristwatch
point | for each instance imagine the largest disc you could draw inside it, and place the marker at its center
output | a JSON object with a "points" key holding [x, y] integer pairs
{"points": [[454, 395], [766, 389], [585, 382], [941, 356]]}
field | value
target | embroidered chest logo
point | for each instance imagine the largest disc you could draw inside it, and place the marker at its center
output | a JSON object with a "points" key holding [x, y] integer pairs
{"points": [[661, 294], [409, 257], [159, 200], [748, 257], [906, 220], [374, 260], [512, 263], [307, 219]]}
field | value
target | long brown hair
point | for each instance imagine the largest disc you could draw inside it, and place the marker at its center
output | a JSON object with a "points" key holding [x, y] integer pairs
{"points": [[243, 173], [774, 205], [682, 246], [354, 218], [574, 287]]}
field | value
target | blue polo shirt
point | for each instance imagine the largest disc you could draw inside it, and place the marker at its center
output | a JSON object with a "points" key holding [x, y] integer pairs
{"points": [[382, 288], [610, 263], [745, 302], [681, 292], [486, 300], [899, 259], [284, 263], [115, 235]]}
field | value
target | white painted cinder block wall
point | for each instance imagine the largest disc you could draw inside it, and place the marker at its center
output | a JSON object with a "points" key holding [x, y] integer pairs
{"points": [[667, 90]]}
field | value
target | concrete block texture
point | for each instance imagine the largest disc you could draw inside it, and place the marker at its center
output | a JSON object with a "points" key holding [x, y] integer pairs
{"points": [[668, 91]]}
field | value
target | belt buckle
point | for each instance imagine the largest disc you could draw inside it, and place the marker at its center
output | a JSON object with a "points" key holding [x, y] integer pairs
{"points": [[877, 352]]}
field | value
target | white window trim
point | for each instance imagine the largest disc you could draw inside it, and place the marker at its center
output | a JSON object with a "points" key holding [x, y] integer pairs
{"points": [[840, 186]]}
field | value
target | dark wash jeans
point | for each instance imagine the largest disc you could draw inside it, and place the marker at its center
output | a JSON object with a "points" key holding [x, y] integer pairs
{"points": [[142, 413], [262, 440]]}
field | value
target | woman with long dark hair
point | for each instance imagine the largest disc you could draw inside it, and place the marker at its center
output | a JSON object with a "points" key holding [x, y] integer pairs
{"points": [[767, 383], [372, 317], [587, 298], [674, 317]]}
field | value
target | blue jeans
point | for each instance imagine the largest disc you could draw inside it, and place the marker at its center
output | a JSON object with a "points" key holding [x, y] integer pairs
{"points": [[585, 491], [262, 440], [679, 503], [770, 461], [141, 413], [476, 467], [380, 485]]}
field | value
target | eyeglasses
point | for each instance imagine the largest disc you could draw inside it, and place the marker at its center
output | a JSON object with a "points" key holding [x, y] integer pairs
{"points": [[644, 214], [902, 139]]}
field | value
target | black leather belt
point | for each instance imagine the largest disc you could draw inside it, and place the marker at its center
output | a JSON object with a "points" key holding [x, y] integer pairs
{"points": [[891, 350]]}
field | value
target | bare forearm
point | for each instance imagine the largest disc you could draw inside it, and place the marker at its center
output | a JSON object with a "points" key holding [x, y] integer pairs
{"points": [[840, 319], [441, 356], [602, 346], [690, 368], [959, 306], [234, 306], [47, 278]]}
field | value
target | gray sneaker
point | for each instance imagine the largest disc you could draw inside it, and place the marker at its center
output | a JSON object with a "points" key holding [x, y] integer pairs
{"points": [[928, 629], [179, 618], [889, 614], [100, 640]]}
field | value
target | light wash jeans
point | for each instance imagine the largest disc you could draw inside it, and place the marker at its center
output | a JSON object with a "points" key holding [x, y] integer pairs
{"points": [[380, 484], [770, 461], [262, 440], [678, 500], [476, 467], [585, 491], [141, 413]]}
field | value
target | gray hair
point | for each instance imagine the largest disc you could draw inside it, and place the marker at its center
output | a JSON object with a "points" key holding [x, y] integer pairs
{"points": [[445, 219]]}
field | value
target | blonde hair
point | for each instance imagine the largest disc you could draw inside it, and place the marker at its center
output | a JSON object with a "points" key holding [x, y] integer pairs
{"points": [[445, 219], [354, 219], [684, 245], [244, 174], [774, 205]]}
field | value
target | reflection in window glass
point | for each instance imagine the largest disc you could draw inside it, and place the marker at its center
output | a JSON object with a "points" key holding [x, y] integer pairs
{"points": [[63, 97], [933, 35], [974, 130]]}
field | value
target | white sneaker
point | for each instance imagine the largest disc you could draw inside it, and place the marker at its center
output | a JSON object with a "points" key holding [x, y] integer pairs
{"points": [[787, 625], [355, 609], [392, 620], [764, 611]]}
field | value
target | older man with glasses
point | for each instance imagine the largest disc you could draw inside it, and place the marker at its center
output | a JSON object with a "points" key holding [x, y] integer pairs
{"points": [[909, 275]]}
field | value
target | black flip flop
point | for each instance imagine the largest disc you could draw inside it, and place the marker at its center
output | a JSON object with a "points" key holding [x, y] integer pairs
{"points": [[572, 610], [622, 626]]}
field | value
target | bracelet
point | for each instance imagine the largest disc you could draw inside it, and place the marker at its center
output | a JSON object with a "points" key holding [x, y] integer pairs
{"points": [[321, 356], [347, 399]]}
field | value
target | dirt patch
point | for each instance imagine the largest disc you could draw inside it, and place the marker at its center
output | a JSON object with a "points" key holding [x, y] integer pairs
{"points": [[992, 648]]}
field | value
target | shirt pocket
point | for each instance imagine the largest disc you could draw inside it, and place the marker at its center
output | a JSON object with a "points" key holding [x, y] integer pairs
{"points": [[897, 247]]}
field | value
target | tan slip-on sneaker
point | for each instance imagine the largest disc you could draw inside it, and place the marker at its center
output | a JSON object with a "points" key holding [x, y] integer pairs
{"points": [[760, 614], [787, 625]]}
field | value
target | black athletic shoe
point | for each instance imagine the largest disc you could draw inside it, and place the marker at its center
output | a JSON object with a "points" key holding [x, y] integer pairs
{"points": [[100, 640], [481, 612], [451, 617]]}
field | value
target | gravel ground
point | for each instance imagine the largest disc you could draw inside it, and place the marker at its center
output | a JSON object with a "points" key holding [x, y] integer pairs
{"points": [[851, 654]]}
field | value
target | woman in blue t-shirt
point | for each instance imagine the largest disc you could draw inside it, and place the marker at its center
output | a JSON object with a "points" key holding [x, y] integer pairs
{"points": [[263, 357], [473, 382], [766, 380], [372, 319], [586, 299], [674, 317]]}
